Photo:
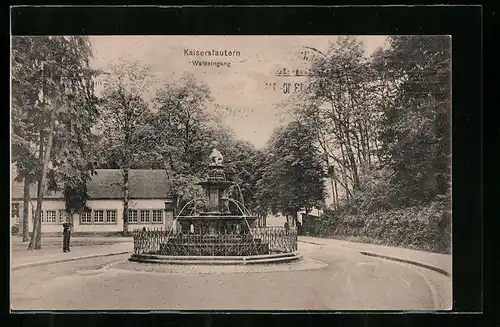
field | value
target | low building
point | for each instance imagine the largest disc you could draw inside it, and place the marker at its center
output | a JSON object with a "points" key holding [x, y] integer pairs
{"points": [[148, 193], [314, 212]]}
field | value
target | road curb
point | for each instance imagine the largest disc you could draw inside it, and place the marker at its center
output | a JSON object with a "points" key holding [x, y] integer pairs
{"points": [[49, 262], [415, 263], [311, 242], [383, 256]]}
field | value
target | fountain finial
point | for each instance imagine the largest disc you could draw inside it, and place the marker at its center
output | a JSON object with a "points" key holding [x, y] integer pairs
{"points": [[216, 157]]}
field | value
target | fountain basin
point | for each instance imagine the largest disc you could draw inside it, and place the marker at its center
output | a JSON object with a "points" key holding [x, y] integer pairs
{"points": [[273, 258]]}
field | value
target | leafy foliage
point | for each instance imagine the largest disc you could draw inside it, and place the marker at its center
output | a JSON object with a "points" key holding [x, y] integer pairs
{"points": [[422, 227], [338, 108], [416, 129], [53, 108], [383, 125], [124, 106], [292, 177], [176, 133]]}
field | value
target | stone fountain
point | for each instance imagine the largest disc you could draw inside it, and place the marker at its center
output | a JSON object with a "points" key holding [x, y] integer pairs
{"points": [[217, 229]]}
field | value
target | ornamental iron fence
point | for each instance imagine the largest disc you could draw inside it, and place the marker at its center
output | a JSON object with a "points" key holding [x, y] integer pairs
{"points": [[255, 242]]}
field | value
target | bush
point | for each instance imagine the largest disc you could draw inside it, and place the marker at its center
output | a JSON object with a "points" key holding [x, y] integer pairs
{"points": [[424, 227], [381, 210], [14, 230]]}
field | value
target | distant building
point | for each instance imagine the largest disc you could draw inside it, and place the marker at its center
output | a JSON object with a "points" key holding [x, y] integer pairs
{"points": [[313, 213], [279, 219], [148, 194], [310, 222]]}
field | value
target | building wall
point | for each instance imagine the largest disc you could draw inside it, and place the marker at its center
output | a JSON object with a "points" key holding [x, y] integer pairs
{"points": [[275, 220], [94, 226]]}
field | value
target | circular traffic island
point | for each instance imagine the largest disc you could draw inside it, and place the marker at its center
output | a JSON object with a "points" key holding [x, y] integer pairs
{"points": [[273, 258], [216, 230], [259, 246]]}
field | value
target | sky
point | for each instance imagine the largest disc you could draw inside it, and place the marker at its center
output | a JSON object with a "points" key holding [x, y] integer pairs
{"points": [[242, 82]]}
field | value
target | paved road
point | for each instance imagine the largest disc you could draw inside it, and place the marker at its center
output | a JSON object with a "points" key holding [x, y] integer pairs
{"points": [[351, 281]]}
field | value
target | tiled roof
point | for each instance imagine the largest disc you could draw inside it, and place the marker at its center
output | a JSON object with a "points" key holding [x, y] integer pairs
{"points": [[107, 184]]}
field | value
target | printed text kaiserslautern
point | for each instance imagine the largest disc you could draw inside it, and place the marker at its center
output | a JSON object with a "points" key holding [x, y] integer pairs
{"points": [[212, 52]]}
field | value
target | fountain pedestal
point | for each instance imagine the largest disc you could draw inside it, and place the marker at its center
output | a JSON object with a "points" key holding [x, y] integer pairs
{"points": [[215, 217]]}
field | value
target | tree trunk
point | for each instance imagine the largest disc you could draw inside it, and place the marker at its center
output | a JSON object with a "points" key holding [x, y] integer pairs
{"points": [[334, 199], [352, 161], [330, 174], [39, 218], [359, 148], [377, 150], [307, 213], [362, 139], [125, 201], [365, 155], [368, 147], [336, 193], [36, 237], [72, 222], [26, 201], [344, 173]]}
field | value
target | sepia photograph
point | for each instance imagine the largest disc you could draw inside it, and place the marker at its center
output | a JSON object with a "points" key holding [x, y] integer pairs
{"points": [[230, 172]]}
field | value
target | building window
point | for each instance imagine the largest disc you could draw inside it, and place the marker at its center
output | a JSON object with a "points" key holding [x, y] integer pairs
{"points": [[86, 217], [51, 217], [132, 216], [111, 216], [157, 216], [144, 216], [99, 216], [63, 217], [42, 218]]}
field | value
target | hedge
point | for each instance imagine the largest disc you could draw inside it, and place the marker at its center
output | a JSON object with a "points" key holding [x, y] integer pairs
{"points": [[426, 228]]}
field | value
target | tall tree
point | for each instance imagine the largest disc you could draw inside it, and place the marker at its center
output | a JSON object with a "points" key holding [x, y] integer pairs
{"points": [[293, 176], [182, 114], [240, 158], [124, 104], [339, 108], [415, 136], [52, 89], [24, 131], [177, 136], [26, 201]]}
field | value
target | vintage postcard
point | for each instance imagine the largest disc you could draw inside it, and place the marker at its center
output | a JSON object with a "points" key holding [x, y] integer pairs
{"points": [[284, 172]]}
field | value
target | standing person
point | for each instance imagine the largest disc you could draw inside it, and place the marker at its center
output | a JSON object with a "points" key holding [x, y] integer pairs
{"points": [[66, 236], [287, 227]]}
